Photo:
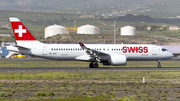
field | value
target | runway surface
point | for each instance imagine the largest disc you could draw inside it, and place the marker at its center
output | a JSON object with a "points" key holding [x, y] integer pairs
{"points": [[83, 69], [91, 69]]}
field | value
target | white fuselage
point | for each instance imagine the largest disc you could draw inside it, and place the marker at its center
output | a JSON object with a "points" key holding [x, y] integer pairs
{"points": [[71, 51]]}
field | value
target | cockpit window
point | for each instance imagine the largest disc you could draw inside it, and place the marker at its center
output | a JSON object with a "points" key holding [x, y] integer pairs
{"points": [[163, 49]]}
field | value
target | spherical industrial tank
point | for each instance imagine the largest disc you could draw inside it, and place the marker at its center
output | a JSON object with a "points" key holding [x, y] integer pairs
{"points": [[88, 29], [54, 30], [128, 30]]}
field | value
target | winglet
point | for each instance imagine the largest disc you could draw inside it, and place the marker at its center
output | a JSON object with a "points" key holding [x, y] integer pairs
{"points": [[81, 44], [13, 19]]}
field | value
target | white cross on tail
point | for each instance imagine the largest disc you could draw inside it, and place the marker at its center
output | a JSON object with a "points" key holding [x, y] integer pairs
{"points": [[20, 31]]}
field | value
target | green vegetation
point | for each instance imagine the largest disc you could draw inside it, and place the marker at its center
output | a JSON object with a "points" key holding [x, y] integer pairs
{"points": [[40, 94], [51, 93], [2, 94], [89, 85]]}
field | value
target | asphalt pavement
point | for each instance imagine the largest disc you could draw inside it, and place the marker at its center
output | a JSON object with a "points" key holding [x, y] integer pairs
{"points": [[91, 69], [83, 69]]}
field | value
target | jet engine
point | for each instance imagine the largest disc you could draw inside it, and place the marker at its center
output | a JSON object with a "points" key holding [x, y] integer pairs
{"points": [[116, 60]]}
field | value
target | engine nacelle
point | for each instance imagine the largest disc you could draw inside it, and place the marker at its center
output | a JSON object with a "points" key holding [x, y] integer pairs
{"points": [[117, 60]]}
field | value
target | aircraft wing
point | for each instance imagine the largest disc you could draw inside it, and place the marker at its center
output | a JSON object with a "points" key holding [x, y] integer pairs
{"points": [[94, 53]]}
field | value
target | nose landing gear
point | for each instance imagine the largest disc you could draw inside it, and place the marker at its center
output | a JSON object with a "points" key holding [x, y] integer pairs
{"points": [[159, 65]]}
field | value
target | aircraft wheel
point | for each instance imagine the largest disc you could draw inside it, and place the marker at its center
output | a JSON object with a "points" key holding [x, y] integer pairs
{"points": [[159, 66], [96, 65], [91, 65]]}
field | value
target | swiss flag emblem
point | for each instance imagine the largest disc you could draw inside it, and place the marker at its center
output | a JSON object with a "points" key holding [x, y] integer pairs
{"points": [[21, 32]]}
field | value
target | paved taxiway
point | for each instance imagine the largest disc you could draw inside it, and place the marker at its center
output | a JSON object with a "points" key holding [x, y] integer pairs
{"points": [[83, 69], [90, 69]]}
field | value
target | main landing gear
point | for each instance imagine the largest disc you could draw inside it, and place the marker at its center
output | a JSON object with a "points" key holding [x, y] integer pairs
{"points": [[95, 65], [159, 65]]}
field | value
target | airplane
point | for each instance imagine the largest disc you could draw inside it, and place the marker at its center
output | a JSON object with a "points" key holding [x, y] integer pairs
{"points": [[107, 54]]}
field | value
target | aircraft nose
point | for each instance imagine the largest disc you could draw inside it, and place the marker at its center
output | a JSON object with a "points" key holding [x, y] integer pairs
{"points": [[170, 55]]}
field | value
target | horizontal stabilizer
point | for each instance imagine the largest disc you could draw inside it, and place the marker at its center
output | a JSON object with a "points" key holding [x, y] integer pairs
{"points": [[21, 47]]}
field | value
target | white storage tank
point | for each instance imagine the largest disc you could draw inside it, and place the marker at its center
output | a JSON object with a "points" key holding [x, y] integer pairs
{"points": [[88, 29], [128, 30], [54, 30]]}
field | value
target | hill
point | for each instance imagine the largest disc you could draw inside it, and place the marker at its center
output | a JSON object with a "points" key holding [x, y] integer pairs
{"points": [[164, 8], [138, 18], [153, 8], [54, 4]]}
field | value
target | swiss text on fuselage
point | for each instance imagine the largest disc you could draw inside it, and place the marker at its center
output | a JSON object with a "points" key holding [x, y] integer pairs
{"points": [[140, 49]]}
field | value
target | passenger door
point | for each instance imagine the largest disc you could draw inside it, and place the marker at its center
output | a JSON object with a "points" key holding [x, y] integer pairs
{"points": [[154, 51], [44, 50]]}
